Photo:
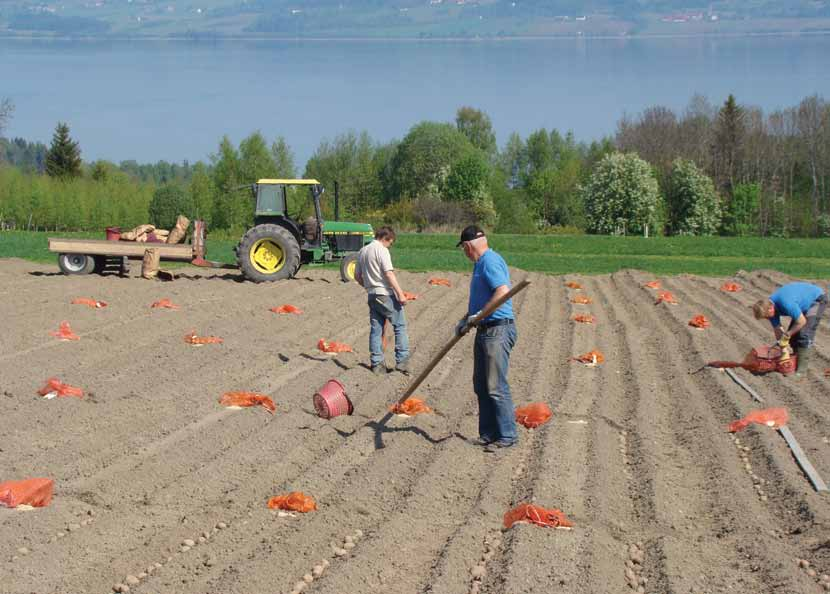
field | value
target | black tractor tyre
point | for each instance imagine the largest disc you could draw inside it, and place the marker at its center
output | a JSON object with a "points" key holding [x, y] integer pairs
{"points": [[347, 267], [270, 267], [76, 263]]}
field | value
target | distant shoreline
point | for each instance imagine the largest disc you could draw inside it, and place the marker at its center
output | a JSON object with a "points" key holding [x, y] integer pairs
{"points": [[501, 39]]}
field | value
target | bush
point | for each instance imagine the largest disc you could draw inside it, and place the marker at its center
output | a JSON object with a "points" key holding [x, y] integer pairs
{"points": [[169, 201]]}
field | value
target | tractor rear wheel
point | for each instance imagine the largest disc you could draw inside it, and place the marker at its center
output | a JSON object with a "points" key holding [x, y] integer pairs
{"points": [[76, 263], [347, 267], [268, 253]]}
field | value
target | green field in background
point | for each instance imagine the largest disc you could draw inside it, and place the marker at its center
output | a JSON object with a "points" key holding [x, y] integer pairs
{"points": [[554, 254]]}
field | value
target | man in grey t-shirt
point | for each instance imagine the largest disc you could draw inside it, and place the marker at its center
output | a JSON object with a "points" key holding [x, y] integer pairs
{"points": [[375, 273]]}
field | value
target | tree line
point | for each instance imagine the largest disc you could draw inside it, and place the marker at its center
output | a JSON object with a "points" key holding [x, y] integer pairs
{"points": [[729, 169]]}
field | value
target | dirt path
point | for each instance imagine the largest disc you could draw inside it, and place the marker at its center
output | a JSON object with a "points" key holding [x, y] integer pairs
{"points": [[663, 498]]}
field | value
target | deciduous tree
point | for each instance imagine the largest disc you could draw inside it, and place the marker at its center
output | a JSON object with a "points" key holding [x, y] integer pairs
{"points": [[692, 204], [477, 127], [622, 196]]}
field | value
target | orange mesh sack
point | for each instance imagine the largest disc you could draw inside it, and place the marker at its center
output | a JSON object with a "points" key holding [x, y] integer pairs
{"points": [[771, 417], [533, 415], [192, 338], [731, 287], [581, 299], [64, 332], [534, 514], [411, 296], [592, 358], [699, 322], [36, 492], [164, 304], [55, 387], [286, 309], [89, 302], [331, 346], [652, 285], [295, 501], [584, 319], [443, 282], [573, 285], [246, 399], [411, 407], [665, 297]]}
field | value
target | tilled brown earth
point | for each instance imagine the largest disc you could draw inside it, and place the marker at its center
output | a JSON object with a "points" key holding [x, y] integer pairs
{"points": [[637, 454]]}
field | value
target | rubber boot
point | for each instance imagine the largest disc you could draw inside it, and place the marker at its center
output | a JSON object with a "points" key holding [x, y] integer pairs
{"points": [[803, 361]]}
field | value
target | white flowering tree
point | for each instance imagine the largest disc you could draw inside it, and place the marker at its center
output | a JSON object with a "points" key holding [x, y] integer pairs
{"points": [[622, 196], [692, 203]]}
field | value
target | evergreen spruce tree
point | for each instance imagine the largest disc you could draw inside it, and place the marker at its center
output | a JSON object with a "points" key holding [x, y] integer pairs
{"points": [[63, 159], [727, 151]]}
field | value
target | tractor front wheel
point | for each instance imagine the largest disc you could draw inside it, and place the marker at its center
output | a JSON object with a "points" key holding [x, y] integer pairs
{"points": [[268, 253], [347, 267]]}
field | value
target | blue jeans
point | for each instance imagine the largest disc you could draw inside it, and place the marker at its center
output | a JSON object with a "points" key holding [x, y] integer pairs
{"points": [[496, 416], [382, 308], [807, 335]]}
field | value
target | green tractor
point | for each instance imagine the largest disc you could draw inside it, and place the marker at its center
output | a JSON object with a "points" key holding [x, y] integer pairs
{"points": [[278, 243]]}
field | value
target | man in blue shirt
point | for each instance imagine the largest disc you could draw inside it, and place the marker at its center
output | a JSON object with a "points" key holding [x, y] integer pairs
{"points": [[495, 337], [804, 304]]}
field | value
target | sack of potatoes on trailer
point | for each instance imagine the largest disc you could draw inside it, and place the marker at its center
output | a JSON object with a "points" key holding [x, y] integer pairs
{"points": [[178, 232]]}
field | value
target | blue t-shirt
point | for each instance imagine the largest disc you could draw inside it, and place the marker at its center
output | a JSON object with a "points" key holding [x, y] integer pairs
{"points": [[793, 300], [489, 273]]}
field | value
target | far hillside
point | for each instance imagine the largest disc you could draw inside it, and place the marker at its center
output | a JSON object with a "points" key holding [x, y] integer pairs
{"points": [[408, 18]]}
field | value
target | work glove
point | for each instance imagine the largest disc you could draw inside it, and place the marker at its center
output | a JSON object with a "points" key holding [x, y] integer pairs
{"points": [[784, 341], [464, 324]]}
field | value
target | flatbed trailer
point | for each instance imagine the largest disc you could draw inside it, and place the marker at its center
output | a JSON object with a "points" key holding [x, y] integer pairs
{"points": [[83, 256]]}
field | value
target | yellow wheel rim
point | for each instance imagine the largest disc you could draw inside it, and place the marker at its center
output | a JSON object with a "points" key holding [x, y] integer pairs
{"points": [[350, 269], [267, 256]]}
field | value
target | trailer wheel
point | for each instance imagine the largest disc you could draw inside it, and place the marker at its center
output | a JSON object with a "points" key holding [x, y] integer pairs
{"points": [[348, 264], [76, 263]]}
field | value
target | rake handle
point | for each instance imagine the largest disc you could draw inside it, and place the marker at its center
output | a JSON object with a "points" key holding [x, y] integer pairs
{"points": [[443, 352]]}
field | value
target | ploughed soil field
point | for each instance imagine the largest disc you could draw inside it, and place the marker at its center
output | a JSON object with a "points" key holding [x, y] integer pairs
{"points": [[637, 454]]}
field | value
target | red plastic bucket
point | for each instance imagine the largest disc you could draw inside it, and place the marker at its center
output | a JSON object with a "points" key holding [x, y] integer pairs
{"points": [[331, 400], [113, 233]]}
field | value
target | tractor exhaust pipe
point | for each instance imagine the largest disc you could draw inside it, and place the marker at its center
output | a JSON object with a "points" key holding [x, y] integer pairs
{"points": [[336, 201]]}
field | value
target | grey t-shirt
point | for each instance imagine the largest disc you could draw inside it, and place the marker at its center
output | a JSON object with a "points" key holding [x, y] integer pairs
{"points": [[373, 262]]}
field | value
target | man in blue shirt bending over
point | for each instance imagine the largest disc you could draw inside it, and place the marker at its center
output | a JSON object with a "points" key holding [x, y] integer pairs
{"points": [[495, 337], [804, 304]]}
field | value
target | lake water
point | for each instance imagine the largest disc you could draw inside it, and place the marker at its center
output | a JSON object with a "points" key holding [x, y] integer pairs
{"points": [[173, 100]]}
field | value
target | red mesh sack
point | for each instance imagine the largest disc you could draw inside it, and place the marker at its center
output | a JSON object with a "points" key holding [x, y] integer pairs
{"points": [[584, 319], [286, 309], [439, 282], [411, 407], [533, 415], [246, 399], [534, 514], [653, 285], [164, 304], [295, 501], [760, 360], [36, 492], [331, 346], [771, 417], [89, 302], [64, 332], [57, 388]]}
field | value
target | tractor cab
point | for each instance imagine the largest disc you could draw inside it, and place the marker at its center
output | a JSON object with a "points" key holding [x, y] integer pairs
{"points": [[289, 231]]}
